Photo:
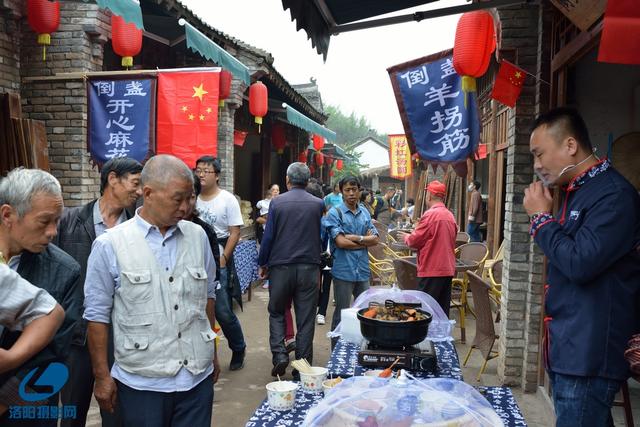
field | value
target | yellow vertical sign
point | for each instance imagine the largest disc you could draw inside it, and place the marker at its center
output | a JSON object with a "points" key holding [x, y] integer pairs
{"points": [[399, 157]]}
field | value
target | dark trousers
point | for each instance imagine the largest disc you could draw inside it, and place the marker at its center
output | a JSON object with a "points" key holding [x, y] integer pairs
{"points": [[225, 316], [439, 288], [178, 409], [79, 387], [325, 292], [297, 283]]}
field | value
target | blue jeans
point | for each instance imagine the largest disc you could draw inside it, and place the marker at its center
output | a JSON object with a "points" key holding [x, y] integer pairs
{"points": [[583, 401], [473, 230], [226, 317]]}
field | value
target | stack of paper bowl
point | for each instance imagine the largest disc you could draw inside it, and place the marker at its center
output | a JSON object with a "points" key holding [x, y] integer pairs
{"points": [[312, 381], [281, 395]]}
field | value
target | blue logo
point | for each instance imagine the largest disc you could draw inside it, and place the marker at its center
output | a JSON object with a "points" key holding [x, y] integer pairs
{"points": [[42, 383]]}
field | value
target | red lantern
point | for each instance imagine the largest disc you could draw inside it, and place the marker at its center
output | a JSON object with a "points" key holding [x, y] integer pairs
{"points": [[312, 169], [302, 157], [475, 41], [319, 159], [339, 164], [318, 142], [278, 137], [126, 39], [331, 172], [258, 105], [328, 160], [225, 86], [43, 17]]}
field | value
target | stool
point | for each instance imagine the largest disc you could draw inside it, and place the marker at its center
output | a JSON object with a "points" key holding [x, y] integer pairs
{"points": [[625, 403]]}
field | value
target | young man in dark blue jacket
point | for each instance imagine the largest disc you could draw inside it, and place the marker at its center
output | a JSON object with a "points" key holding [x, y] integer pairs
{"points": [[591, 295]]}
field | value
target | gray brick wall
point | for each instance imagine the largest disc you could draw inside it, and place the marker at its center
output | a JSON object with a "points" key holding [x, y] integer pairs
{"points": [[520, 309], [10, 28], [62, 105]]}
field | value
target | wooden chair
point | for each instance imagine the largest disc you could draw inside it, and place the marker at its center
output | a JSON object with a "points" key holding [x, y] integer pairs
{"points": [[485, 332], [406, 273], [625, 403], [472, 253]]}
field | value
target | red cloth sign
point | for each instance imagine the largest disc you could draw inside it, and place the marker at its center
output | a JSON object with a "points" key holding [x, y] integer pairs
{"points": [[508, 84], [620, 41], [187, 124], [239, 137]]}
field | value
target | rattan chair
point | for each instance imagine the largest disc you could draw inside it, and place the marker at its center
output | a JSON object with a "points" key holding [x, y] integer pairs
{"points": [[462, 238], [475, 253], [383, 230], [406, 273], [495, 280], [485, 337], [380, 265]]}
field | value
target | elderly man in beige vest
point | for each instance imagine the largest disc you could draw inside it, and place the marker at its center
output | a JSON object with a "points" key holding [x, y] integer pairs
{"points": [[153, 276]]}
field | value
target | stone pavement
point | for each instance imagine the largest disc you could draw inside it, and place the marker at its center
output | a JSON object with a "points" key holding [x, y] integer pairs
{"points": [[238, 394]]}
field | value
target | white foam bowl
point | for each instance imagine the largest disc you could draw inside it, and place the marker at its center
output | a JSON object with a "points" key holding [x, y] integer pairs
{"points": [[312, 381], [281, 395]]}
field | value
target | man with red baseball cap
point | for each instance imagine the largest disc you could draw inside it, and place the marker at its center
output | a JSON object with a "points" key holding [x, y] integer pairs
{"points": [[435, 240]]}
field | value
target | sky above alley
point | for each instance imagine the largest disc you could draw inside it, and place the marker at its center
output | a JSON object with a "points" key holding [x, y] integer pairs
{"points": [[354, 76]]}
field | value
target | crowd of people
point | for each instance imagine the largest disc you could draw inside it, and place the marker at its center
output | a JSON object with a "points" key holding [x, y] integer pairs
{"points": [[126, 290]]}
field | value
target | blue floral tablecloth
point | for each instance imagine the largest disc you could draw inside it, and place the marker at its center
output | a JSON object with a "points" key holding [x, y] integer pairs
{"points": [[344, 361], [500, 398], [245, 257]]}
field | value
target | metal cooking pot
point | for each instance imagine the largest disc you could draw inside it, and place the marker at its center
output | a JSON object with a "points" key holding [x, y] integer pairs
{"points": [[388, 333]]}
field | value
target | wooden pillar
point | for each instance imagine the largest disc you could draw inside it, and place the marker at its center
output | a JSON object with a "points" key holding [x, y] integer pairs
{"points": [[493, 158]]}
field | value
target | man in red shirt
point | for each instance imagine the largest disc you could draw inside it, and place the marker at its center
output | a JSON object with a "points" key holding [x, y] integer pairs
{"points": [[435, 240]]}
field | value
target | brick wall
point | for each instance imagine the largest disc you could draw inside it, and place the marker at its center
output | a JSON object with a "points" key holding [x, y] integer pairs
{"points": [[10, 28], [62, 104], [520, 309]]}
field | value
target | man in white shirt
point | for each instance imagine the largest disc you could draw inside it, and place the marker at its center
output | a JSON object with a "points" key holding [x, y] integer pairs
{"points": [[221, 210]]}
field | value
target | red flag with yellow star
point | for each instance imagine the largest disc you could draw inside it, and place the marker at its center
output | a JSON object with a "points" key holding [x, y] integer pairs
{"points": [[187, 124], [508, 84]]}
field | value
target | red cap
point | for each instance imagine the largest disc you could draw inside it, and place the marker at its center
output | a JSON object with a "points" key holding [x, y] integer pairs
{"points": [[437, 188]]}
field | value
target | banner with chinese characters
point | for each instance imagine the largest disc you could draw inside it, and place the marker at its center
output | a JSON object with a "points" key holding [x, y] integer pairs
{"points": [[399, 157], [439, 125], [120, 118]]}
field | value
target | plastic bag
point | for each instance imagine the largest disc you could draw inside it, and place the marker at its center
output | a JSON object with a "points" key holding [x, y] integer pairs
{"points": [[439, 328], [377, 402]]}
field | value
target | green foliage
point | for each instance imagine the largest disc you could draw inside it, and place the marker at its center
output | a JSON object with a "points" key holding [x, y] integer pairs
{"points": [[349, 129]]}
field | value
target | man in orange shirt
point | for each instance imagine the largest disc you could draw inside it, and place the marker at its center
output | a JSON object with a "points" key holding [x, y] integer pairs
{"points": [[435, 240]]}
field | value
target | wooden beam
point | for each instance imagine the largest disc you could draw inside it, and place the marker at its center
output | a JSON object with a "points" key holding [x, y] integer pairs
{"points": [[576, 47]]}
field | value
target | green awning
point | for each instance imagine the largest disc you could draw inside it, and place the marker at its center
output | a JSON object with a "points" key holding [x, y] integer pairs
{"points": [[129, 10], [206, 47], [303, 122]]}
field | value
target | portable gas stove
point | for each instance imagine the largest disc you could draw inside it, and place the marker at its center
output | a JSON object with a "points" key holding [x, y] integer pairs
{"points": [[411, 357]]}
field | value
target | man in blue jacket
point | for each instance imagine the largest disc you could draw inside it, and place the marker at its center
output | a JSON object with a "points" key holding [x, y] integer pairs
{"points": [[591, 295]]}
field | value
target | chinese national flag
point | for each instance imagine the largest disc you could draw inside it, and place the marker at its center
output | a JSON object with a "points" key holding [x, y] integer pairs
{"points": [[187, 124], [508, 84], [620, 41]]}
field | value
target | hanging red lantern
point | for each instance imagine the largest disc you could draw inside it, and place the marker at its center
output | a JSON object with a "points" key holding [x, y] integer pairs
{"points": [[339, 164], [312, 169], [225, 87], [475, 41], [302, 157], [331, 172], [319, 159], [278, 137], [126, 39], [318, 142], [43, 17], [258, 102], [328, 160]]}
